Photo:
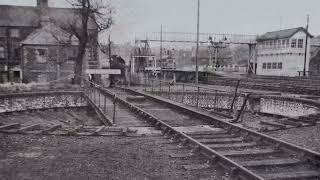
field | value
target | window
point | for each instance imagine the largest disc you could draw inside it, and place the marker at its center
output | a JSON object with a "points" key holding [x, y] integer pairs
{"points": [[2, 32], [287, 43], [293, 43], [264, 66], [274, 65], [16, 52], [300, 43], [280, 65], [89, 53], [283, 43], [2, 52], [74, 53], [14, 33], [42, 52], [279, 44], [269, 66]]}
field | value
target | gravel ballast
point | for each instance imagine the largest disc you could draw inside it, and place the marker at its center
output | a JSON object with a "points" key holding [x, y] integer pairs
{"points": [[307, 137], [55, 157]]}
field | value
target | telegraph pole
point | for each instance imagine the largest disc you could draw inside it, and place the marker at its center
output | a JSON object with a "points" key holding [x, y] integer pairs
{"points": [[109, 48], [197, 47], [306, 48], [161, 44]]}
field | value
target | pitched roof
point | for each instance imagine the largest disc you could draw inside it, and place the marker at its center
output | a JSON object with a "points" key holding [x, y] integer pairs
{"points": [[30, 16], [282, 34], [49, 34]]}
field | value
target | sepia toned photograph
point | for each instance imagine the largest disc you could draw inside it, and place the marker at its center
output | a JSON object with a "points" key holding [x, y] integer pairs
{"points": [[159, 90]]}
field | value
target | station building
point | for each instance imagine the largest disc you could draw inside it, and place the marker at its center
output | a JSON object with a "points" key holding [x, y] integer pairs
{"points": [[282, 53]]}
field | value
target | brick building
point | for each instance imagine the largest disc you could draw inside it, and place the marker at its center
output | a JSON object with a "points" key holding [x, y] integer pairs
{"points": [[30, 43]]}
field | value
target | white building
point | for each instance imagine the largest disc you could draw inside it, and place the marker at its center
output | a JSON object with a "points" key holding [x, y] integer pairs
{"points": [[282, 53]]}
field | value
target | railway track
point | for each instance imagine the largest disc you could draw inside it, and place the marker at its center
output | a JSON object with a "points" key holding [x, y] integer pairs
{"points": [[245, 154], [295, 86]]}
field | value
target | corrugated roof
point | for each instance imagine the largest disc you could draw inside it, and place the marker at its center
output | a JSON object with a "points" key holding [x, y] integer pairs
{"points": [[282, 34], [30, 16]]}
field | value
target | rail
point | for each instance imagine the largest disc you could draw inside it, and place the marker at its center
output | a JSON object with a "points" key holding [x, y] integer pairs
{"points": [[302, 153]]}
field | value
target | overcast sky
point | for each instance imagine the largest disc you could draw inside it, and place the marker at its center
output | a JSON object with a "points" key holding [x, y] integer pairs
{"points": [[220, 16]]}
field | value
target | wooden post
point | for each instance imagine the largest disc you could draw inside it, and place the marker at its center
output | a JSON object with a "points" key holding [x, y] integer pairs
{"points": [[44, 100], [114, 109], [99, 100], [235, 95], [169, 91], [183, 93], [145, 85], [215, 99], [152, 85], [242, 108], [198, 96], [105, 104], [94, 94]]}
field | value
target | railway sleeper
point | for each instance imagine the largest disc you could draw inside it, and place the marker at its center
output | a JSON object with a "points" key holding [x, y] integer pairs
{"points": [[250, 152], [213, 136], [51, 129], [221, 140], [303, 119], [196, 167], [286, 121], [200, 133], [274, 124], [270, 162], [234, 145]]}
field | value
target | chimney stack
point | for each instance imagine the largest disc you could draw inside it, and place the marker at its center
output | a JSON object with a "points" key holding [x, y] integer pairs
{"points": [[42, 3]]}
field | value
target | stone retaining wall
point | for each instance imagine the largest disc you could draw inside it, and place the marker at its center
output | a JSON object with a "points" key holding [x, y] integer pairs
{"points": [[278, 105], [47, 100]]}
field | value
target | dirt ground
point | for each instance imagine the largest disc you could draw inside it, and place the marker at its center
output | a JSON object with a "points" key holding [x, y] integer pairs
{"points": [[66, 117], [49, 157], [307, 137]]}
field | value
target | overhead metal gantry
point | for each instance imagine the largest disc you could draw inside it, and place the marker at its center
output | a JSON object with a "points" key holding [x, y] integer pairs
{"points": [[181, 37], [190, 38]]}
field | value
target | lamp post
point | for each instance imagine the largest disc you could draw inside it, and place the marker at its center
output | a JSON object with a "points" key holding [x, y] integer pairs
{"points": [[197, 47]]}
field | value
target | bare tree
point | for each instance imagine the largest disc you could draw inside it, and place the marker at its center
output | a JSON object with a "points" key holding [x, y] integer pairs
{"points": [[90, 17]]}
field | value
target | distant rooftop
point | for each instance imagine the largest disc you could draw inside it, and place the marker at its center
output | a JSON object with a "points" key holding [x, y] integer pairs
{"points": [[28, 16], [281, 34]]}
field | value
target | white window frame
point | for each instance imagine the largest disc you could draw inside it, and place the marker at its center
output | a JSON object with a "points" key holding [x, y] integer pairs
{"points": [[269, 67], [293, 43], [264, 65], [300, 43]]}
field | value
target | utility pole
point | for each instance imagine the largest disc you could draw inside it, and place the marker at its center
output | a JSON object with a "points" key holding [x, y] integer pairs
{"points": [[109, 48], [197, 47], [306, 47], [161, 43]]}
